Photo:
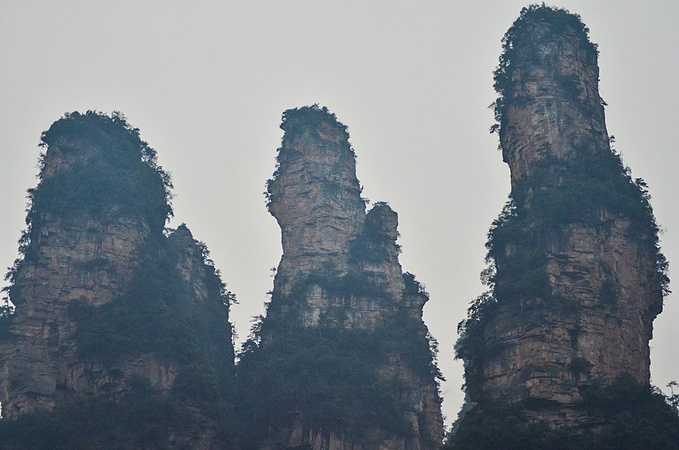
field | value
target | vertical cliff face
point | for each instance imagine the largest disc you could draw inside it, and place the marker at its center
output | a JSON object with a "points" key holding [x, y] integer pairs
{"points": [[576, 274], [315, 197], [100, 290], [342, 359], [550, 104]]}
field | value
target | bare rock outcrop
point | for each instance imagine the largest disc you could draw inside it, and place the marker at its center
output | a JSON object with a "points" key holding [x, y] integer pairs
{"points": [[576, 273], [342, 358]]}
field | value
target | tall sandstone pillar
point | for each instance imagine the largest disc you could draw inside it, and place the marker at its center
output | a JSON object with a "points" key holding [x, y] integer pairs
{"points": [[342, 358], [112, 314], [576, 274]]}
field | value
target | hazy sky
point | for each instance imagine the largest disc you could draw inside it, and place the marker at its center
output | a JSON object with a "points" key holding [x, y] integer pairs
{"points": [[206, 83]]}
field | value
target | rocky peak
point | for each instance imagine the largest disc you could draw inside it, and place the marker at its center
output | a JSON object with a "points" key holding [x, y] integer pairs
{"points": [[576, 272], [315, 195], [342, 315], [548, 81], [382, 221], [110, 311], [189, 261]]}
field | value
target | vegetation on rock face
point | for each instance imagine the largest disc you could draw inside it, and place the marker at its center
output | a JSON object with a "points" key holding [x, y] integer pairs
{"points": [[98, 167], [630, 416], [329, 374], [555, 193], [157, 313], [298, 122], [591, 188], [560, 20], [105, 168], [140, 420], [308, 119], [121, 172], [373, 245]]}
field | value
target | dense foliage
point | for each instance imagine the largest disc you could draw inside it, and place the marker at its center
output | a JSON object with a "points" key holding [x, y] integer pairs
{"points": [[142, 418], [557, 194], [158, 314], [332, 375], [625, 415], [309, 119], [6, 316], [97, 166], [105, 165], [374, 245]]}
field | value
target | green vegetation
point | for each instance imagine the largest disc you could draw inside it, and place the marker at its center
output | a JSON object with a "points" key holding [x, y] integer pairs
{"points": [[99, 167], [626, 415], [105, 165], [334, 376], [6, 316], [588, 188], [158, 314], [142, 418], [556, 194], [591, 187], [308, 119], [331, 375], [374, 244], [560, 20]]}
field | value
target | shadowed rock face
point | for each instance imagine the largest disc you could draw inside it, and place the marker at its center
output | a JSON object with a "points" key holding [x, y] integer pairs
{"points": [[340, 276], [76, 259], [578, 275], [86, 246]]}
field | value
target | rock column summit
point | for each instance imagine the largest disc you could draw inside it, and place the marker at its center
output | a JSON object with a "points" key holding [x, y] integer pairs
{"points": [[355, 368], [576, 273]]}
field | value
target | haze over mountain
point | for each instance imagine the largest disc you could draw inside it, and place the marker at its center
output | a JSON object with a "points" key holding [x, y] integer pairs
{"points": [[206, 84]]}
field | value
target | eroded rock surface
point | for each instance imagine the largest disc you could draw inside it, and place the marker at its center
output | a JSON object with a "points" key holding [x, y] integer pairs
{"points": [[100, 289], [341, 301], [576, 273]]}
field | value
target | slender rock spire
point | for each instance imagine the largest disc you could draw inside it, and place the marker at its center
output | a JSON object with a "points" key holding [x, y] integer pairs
{"points": [[576, 273], [342, 358]]}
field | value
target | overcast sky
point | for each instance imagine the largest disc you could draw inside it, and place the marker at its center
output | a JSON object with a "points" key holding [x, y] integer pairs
{"points": [[206, 83]]}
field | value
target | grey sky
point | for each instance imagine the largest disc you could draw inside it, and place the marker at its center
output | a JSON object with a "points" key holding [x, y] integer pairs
{"points": [[206, 83]]}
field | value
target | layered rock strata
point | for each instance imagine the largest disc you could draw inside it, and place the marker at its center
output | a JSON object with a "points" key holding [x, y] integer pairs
{"points": [[576, 273], [342, 314], [98, 280]]}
